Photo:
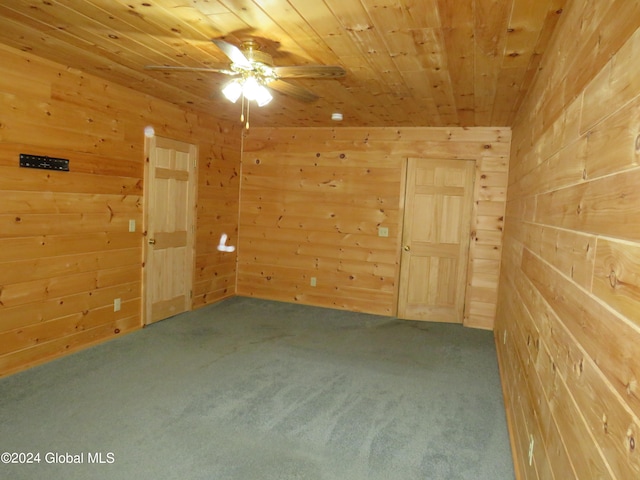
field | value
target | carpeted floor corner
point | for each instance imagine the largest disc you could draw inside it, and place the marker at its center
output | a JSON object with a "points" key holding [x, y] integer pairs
{"points": [[253, 389]]}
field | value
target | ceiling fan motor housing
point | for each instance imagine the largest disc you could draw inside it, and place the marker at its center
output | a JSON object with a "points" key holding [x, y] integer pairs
{"points": [[251, 50]]}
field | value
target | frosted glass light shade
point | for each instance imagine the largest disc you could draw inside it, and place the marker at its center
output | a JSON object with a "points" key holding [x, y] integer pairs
{"points": [[250, 88], [232, 91], [263, 96]]}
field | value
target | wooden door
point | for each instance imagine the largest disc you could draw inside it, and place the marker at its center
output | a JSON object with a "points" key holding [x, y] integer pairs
{"points": [[436, 231], [170, 202]]}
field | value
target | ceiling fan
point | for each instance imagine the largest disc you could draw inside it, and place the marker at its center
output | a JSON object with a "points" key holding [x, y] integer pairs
{"points": [[254, 68]]}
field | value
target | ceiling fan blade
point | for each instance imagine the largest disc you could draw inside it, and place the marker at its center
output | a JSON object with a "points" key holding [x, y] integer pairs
{"points": [[233, 52], [294, 91], [310, 71], [190, 69]]}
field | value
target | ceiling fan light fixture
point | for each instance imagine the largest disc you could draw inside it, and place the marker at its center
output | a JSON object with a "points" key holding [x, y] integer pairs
{"points": [[232, 91]]}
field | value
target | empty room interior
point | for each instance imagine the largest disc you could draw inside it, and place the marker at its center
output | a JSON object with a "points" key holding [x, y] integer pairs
{"points": [[288, 238]]}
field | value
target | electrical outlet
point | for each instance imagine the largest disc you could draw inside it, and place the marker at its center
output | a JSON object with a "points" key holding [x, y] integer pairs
{"points": [[530, 449], [116, 304], [313, 281], [132, 225], [383, 231]]}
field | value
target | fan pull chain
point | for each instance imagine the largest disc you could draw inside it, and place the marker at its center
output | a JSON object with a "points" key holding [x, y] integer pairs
{"points": [[242, 116], [247, 124]]}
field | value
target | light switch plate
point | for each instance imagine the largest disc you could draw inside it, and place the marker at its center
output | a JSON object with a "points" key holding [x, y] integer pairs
{"points": [[132, 225], [383, 231]]}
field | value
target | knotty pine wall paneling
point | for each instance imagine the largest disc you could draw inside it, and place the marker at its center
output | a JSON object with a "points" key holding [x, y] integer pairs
{"points": [[65, 249], [568, 321], [312, 200], [217, 210]]}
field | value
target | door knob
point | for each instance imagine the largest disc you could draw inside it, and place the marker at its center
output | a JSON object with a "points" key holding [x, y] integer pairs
{"points": [[152, 241], [407, 248]]}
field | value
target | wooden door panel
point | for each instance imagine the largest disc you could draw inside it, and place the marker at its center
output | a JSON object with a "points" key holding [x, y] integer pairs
{"points": [[433, 280], [422, 229], [450, 231], [418, 291], [170, 239], [436, 239], [167, 308]]}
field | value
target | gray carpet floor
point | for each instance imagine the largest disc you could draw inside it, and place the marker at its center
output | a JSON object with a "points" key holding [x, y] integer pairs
{"points": [[251, 389]]}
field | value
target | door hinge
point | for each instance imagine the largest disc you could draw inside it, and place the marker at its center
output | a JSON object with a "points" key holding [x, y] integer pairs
{"points": [[190, 293]]}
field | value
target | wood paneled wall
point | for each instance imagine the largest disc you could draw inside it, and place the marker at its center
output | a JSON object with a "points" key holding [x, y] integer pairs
{"points": [[218, 204], [312, 200], [568, 321], [65, 249]]}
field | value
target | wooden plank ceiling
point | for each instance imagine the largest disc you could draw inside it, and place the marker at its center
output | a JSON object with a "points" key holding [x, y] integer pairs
{"points": [[408, 62]]}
